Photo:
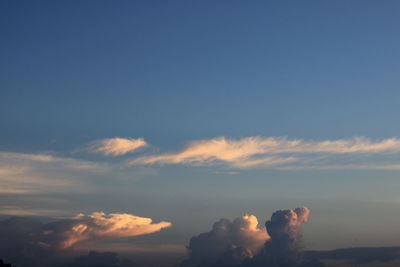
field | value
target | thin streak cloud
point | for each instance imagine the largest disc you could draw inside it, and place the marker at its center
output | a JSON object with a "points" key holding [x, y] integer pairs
{"points": [[116, 146], [22, 173], [273, 152]]}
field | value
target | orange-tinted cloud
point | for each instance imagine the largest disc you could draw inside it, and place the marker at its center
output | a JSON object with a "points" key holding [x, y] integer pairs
{"points": [[98, 225], [270, 151], [117, 146]]}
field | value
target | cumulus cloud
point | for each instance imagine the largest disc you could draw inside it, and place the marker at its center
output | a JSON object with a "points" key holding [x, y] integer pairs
{"points": [[243, 243], [284, 246], [284, 227], [228, 242], [24, 239], [117, 146], [278, 152]]}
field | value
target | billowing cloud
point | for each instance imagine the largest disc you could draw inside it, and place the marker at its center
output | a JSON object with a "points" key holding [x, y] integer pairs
{"points": [[284, 227], [243, 243], [227, 242], [277, 152], [117, 146], [284, 246]]}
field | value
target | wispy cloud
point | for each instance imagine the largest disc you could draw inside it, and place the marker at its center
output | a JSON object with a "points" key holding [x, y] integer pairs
{"points": [[23, 159], [116, 146], [21, 211], [22, 173], [277, 152]]}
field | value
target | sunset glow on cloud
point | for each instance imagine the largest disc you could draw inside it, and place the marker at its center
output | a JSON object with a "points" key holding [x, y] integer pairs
{"points": [[225, 236], [270, 151], [117, 146], [98, 225]]}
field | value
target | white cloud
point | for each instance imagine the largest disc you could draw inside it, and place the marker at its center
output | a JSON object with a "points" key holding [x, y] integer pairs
{"points": [[275, 152], [117, 146]]}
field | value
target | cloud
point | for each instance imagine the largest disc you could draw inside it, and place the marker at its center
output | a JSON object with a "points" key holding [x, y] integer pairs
{"points": [[278, 152], [117, 146], [227, 242], [16, 162], [21, 211], [283, 248], [98, 225], [22, 173], [243, 243], [25, 240], [284, 227]]}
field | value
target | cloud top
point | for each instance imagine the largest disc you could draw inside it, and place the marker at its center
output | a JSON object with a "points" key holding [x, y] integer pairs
{"points": [[227, 242], [117, 146], [284, 246], [243, 243]]}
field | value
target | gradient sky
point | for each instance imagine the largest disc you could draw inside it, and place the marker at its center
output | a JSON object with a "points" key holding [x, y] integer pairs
{"points": [[173, 72]]}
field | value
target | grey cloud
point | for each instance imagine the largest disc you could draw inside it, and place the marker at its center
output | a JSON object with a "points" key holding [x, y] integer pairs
{"points": [[227, 242], [284, 247], [281, 247]]}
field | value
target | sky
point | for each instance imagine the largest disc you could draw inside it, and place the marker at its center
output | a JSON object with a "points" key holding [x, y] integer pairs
{"points": [[187, 112]]}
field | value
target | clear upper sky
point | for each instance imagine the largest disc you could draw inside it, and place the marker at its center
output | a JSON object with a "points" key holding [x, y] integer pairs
{"points": [[171, 72]]}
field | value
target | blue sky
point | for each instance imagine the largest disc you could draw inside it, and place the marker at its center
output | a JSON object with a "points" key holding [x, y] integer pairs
{"points": [[74, 72]]}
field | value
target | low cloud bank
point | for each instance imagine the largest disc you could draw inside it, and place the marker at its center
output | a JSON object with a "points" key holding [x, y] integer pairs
{"points": [[30, 242]]}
